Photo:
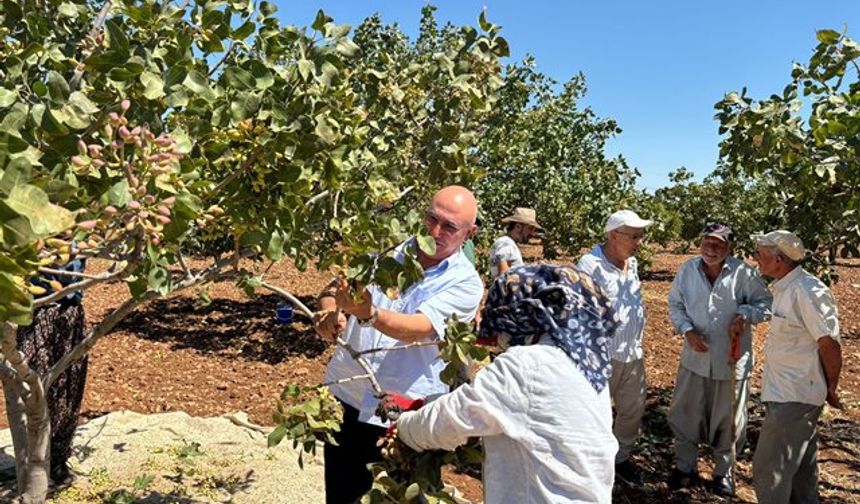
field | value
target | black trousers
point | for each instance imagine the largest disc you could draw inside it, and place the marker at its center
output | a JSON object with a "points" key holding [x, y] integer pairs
{"points": [[346, 475]]}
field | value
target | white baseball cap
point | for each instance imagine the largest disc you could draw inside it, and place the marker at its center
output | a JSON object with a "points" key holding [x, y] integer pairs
{"points": [[785, 241], [626, 218]]}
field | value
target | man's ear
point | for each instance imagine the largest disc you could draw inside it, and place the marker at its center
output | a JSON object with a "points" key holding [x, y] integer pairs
{"points": [[472, 231]]}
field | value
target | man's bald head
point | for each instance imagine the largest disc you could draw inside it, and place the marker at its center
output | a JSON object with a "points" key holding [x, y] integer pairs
{"points": [[450, 220], [458, 199]]}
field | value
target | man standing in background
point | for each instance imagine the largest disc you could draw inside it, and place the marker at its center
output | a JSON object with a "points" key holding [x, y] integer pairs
{"points": [[505, 254], [803, 359], [712, 295], [613, 267]]}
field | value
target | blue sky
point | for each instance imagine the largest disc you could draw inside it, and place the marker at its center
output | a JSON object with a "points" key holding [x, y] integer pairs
{"points": [[656, 67]]}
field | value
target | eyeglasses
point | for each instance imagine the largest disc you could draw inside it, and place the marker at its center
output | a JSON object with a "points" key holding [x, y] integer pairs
{"points": [[634, 237], [432, 220]]}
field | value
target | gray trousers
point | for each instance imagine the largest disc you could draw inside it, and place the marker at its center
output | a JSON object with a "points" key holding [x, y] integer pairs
{"points": [[628, 387], [785, 466], [701, 412]]}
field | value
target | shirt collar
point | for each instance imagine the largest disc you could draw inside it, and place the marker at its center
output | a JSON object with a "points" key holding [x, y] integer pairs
{"points": [[598, 251], [790, 277]]}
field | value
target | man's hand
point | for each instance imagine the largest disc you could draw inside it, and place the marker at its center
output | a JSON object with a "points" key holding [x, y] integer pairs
{"points": [[329, 323], [362, 310], [833, 399], [696, 341]]}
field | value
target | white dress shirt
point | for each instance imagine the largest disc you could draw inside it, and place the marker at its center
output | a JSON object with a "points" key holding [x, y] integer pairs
{"points": [[803, 311], [451, 288], [547, 433], [624, 292]]}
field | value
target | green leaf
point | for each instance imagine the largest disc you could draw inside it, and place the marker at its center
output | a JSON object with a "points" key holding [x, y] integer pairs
{"points": [[275, 249], [244, 31], [68, 10], [412, 492], [8, 97], [158, 280], [197, 82], [306, 67], [15, 305], [118, 195], [58, 88], [116, 38], [18, 172], [153, 85], [277, 435], [46, 219], [827, 36], [427, 244]]}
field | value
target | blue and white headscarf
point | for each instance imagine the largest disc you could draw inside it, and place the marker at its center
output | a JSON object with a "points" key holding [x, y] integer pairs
{"points": [[528, 302]]}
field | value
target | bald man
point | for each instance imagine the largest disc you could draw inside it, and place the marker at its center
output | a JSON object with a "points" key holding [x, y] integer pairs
{"points": [[450, 286]]}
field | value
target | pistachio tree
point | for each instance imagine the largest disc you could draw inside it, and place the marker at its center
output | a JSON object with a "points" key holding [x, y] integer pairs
{"points": [[544, 150], [128, 128], [803, 145]]}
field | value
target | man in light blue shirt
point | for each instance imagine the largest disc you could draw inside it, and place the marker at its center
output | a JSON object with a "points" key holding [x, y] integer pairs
{"points": [[450, 287], [612, 264], [713, 298]]}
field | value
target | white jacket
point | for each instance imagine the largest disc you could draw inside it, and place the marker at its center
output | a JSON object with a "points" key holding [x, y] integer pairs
{"points": [[547, 433]]}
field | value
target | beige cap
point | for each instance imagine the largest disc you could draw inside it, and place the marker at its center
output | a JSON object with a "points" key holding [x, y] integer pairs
{"points": [[524, 216], [785, 241]]}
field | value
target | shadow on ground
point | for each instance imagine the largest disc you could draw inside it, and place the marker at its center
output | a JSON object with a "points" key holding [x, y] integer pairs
{"points": [[226, 328]]}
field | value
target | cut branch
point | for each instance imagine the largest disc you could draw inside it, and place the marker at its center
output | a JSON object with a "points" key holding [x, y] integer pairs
{"points": [[351, 378]]}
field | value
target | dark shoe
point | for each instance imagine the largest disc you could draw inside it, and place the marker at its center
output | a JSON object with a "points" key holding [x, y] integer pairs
{"points": [[723, 486], [628, 471], [680, 479]]}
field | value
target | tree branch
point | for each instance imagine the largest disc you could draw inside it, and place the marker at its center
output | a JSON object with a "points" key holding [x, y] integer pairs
{"points": [[292, 299], [16, 360], [400, 347], [79, 274], [317, 198], [83, 284], [374, 383], [94, 31], [8, 373], [344, 380], [111, 320]]}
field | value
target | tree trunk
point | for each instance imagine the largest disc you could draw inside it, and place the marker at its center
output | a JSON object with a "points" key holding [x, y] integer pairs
{"points": [[38, 463], [17, 426]]}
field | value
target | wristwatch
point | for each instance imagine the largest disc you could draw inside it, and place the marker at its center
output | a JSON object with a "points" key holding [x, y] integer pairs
{"points": [[369, 321]]}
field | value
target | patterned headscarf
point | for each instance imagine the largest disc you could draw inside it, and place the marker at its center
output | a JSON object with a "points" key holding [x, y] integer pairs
{"points": [[526, 303]]}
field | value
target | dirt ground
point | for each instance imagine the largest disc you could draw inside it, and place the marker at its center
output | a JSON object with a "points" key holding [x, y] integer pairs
{"points": [[231, 355]]}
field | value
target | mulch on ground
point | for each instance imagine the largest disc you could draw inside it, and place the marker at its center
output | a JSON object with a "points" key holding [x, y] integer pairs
{"points": [[174, 354]]}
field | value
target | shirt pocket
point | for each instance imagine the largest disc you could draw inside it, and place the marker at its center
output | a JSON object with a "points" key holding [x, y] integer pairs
{"points": [[788, 328]]}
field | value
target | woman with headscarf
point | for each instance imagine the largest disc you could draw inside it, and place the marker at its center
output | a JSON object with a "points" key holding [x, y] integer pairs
{"points": [[542, 407]]}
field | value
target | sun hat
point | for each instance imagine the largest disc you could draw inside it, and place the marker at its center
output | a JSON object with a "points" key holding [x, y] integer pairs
{"points": [[524, 216]]}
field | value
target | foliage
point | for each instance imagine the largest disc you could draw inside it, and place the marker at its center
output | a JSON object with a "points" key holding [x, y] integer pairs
{"points": [[542, 150], [300, 138], [138, 129], [810, 165], [683, 209], [306, 415]]}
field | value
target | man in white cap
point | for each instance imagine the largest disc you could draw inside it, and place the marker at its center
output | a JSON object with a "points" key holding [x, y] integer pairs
{"points": [[803, 359], [613, 267], [505, 254], [714, 298]]}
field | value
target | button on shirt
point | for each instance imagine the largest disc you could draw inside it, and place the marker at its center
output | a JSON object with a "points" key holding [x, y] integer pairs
{"points": [[803, 311], [451, 288], [696, 304], [547, 433], [624, 291], [504, 249]]}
